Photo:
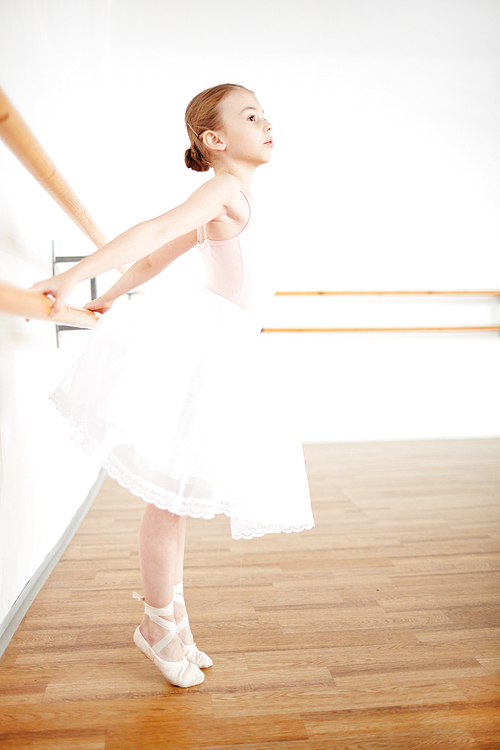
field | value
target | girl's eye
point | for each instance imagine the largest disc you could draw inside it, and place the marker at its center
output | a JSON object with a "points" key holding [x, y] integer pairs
{"points": [[252, 118]]}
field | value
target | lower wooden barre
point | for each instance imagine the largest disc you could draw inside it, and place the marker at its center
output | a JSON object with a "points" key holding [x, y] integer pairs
{"points": [[35, 305], [410, 293], [382, 330]]}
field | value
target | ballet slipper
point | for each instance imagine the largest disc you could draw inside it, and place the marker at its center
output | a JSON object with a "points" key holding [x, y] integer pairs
{"points": [[191, 651], [182, 673]]}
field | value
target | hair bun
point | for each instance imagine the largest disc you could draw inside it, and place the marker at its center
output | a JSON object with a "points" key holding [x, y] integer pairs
{"points": [[196, 161]]}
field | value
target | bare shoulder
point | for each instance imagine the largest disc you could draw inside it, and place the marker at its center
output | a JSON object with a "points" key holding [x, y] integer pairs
{"points": [[226, 186], [218, 204], [222, 193], [224, 190], [235, 208]]}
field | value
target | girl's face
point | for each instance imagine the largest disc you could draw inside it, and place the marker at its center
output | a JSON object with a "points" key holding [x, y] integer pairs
{"points": [[245, 131]]}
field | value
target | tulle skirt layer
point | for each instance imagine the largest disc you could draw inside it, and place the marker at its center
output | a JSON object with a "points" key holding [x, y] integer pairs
{"points": [[179, 406]]}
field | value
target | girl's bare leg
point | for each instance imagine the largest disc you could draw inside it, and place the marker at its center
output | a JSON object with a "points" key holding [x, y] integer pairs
{"points": [[179, 608], [161, 546]]}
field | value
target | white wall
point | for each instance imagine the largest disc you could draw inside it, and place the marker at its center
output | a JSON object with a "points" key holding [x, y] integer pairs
{"points": [[43, 478], [385, 175]]}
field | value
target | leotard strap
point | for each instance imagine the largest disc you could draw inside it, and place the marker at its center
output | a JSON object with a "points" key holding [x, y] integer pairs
{"points": [[249, 203]]}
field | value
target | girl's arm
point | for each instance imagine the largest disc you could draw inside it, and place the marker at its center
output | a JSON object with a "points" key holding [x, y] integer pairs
{"points": [[213, 200], [143, 270]]}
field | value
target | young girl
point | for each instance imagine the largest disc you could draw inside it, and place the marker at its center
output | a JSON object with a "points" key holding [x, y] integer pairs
{"points": [[172, 397]]}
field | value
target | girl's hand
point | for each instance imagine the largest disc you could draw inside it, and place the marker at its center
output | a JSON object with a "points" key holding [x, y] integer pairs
{"points": [[59, 287], [100, 304]]}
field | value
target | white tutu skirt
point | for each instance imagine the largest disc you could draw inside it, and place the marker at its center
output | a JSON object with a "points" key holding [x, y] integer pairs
{"points": [[180, 407]]}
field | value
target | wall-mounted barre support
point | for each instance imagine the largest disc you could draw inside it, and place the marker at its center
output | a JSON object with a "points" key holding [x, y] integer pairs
{"points": [[35, 305], [93, 285]]}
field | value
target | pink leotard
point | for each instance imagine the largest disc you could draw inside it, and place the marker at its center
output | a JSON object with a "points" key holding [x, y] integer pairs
{"points": [[240, 268]]}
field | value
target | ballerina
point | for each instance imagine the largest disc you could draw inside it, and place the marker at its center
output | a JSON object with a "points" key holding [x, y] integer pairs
{"points": [[173, 396]]}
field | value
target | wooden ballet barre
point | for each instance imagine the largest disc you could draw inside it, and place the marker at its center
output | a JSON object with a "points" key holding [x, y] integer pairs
{"points": [[20, 139], [23, 143], [390, 329], [448, 292], [35, 305], [423, 329]]}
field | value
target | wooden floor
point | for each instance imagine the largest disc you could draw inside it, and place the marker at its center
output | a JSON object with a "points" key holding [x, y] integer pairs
{"points": [[378, 629]]}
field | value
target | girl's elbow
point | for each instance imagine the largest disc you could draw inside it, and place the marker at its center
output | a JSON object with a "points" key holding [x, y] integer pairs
{"points": [[147, 264]]}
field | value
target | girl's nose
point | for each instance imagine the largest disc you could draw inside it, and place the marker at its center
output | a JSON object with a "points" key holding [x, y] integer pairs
{"points": [[268, 127]]}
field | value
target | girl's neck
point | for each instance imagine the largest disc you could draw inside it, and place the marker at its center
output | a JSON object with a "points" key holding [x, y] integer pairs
{"points": [[242, 172]]}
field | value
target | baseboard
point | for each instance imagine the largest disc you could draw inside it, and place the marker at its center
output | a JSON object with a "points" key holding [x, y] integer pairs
{"points": [[13, 619]]}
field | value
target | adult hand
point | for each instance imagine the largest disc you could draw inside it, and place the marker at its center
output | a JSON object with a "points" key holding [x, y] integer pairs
{"points": [[59, 287]]}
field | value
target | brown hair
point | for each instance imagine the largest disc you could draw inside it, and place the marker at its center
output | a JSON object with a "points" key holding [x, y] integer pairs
{"points": [[202, 113]]}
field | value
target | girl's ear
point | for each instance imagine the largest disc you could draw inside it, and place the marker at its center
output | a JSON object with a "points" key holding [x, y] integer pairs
{"points": [[213, 141]]}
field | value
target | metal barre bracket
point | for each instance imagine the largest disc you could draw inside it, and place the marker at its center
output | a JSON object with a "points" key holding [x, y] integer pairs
{"points": [[93, 286]]}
